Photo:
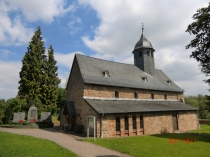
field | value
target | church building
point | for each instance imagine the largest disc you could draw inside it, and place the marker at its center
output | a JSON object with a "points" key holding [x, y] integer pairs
{"points": [[126, 99]]}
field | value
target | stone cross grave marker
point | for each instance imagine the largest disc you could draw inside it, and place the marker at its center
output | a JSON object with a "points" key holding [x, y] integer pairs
{"points": [[32, 114], [46, 116], [18, 117]]}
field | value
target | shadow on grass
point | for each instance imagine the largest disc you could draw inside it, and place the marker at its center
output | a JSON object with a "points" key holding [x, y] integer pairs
{"points": [[185, 137]]}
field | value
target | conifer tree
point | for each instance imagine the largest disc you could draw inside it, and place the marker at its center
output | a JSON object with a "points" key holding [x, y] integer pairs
{"points": [[50, 88], [31, 74]]}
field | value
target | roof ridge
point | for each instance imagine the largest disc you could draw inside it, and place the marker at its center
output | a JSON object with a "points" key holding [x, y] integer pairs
{"points": [[103, 59]]}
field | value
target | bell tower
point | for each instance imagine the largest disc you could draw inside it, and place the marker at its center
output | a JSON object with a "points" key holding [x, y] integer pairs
{"points": [[144, 55]]}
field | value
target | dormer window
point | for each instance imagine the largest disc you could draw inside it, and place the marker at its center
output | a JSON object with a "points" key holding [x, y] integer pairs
{"points": [[169, 82], [106, 73], [145, 79]]}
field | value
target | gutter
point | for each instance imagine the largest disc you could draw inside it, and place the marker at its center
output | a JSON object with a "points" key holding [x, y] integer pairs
{"points": [[102, 125]]}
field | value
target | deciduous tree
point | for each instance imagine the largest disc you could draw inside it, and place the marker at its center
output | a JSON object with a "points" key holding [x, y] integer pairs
{"points": [[200, 28]]}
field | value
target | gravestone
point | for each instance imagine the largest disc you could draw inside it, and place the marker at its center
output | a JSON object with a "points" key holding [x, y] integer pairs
{"points": [[18, 117], [46, 117], [32, 114]]}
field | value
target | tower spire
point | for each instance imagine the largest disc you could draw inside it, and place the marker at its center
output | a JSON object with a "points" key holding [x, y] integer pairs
{"points": [[142, 25]]}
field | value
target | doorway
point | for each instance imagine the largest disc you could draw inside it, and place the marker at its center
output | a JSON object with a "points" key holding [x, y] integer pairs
{"points": [[175, 121]]}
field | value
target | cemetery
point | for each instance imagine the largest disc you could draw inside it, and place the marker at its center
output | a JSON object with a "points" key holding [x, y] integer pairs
{"points": [[31, 121]]}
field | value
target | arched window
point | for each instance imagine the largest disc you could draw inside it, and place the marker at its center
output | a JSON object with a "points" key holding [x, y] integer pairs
{"points": [[116, 94], [165, 96], [135, 95], [152, 96]]}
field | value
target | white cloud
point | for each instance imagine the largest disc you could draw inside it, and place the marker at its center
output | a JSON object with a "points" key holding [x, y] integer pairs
{"points": [[165, 24], [65, 59], [75, 25], [14, 30], [9, 76], [39, 9], [5, 53]]}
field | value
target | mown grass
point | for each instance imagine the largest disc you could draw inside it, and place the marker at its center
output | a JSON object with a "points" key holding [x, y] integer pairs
{"points": [[164, 145], [12, 145], [203, 129]]}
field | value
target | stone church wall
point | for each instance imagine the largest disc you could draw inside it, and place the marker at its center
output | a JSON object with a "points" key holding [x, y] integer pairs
{"points": [[109, 92], [153, 123], [188, 120], [74, 93]]}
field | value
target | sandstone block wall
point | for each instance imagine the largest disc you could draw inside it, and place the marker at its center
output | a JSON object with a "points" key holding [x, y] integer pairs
{"points": [[153, 123], [109, 92], [188, 120], [74, 93]]}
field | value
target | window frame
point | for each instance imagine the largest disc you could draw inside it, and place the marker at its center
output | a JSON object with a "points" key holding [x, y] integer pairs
{"points": [[117, 124], [126, 126], [141, 121], [116, 94], [134, 122]]}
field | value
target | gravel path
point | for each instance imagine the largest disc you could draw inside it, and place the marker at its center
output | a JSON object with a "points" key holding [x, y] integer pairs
{"points": [[72, 143]]}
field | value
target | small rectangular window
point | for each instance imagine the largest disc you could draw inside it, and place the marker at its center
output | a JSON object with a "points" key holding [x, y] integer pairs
{"points": [[134, 122], [117, 123], [126, 123], [148, 53], [135, 95], [140, 53], [152, 54], [141, 122]]}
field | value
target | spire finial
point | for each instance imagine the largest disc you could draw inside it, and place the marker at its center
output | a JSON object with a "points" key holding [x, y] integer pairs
{"points": [[142, 25]]}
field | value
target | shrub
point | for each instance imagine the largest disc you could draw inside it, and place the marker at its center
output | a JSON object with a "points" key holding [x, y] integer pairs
{"points": [[25, 123]]}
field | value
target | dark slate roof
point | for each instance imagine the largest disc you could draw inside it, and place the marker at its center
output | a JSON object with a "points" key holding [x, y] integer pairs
{"points": [[122, 75], [69, 108], [143, 43], [129, 106]]}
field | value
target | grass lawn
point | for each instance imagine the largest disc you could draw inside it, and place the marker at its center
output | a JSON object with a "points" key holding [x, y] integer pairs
{"points": [[12, 145], [164, 145], [203, 129]]}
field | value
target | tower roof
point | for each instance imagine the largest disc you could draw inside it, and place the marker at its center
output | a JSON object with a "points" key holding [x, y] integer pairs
{"points": [[143, 43]]}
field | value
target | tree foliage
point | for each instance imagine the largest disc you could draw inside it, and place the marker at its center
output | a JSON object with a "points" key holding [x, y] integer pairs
{"points": [[50, 88], [38, 76], [199, 102], [2, 110], [201, 29], [61, 97], [31, 74]]}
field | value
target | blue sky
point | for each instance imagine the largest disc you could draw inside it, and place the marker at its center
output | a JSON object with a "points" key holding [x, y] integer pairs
{"points": [[103, 29]]}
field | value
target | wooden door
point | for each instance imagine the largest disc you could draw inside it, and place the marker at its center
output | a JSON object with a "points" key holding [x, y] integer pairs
{"points": [[174, 120]]}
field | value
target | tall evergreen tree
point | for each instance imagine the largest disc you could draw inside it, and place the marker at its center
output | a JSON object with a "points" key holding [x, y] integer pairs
{"points": [[50, 88], [31, 74]]}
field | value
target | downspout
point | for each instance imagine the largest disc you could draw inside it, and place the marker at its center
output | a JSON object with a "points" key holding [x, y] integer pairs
{"points": [[102, 125], [198, 124]]}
